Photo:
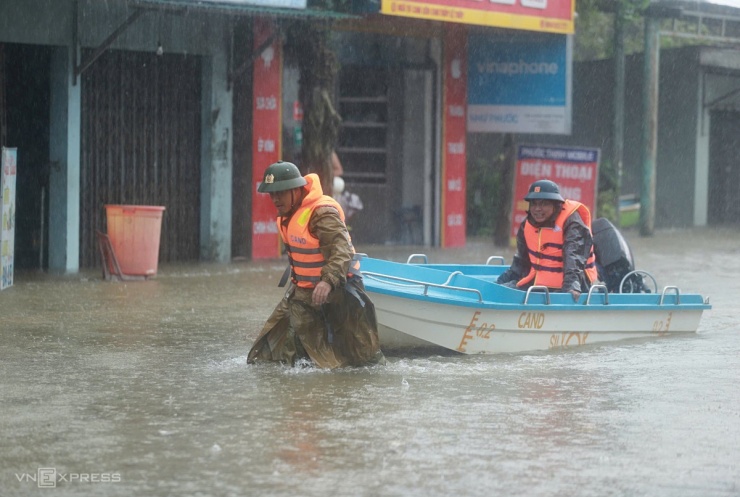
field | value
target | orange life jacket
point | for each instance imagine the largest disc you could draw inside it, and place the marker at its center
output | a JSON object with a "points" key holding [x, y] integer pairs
{"points": [[304, 252], [545, 246]]}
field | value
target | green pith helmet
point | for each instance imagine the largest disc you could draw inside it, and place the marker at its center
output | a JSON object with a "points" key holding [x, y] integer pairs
{"points": [[281, 176], [544, 189]]}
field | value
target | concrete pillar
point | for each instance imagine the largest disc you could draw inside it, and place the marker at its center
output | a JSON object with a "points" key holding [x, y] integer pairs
{"points": [[216, 160], [650, 125], [619, 104], [701, 180], [64, 154]]}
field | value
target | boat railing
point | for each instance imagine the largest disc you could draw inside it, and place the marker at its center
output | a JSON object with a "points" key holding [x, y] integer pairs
{"points": [[533, 289], [414, 256], [598, 287], [427, 285], [500, 259], [538, 288], [669, 288], [494, 258], [452, 275]]}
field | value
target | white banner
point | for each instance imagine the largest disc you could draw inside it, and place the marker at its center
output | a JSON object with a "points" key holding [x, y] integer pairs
{"points": [[7, 207], [288, 4]]}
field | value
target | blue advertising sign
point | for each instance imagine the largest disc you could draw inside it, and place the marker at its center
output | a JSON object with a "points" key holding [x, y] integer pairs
{"points": [[519, 85]]}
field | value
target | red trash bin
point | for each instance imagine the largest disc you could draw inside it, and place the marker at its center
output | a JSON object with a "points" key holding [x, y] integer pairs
{"points": [[134, 232]]}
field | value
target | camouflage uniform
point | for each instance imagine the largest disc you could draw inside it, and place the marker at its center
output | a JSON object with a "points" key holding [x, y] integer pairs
{"points": [[343, 332]]}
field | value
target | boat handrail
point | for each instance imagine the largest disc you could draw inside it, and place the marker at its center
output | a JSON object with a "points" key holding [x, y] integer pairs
{"points": [[538, 287], [425, 284], [449, 278], [638, 271], [496, 258], [414, 256], [598, 287], [678, 294]]}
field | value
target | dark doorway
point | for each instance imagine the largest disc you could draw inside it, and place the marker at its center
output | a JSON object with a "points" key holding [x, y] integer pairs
{"points": [[724, 168], [26, 76], [241, 220]]}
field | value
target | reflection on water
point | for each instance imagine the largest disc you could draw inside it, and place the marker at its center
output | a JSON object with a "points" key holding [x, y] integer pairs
{"points": [[148, 381]]}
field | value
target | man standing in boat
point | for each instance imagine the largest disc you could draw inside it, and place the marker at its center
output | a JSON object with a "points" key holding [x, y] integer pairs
{"points": [[325, 316], [554, 244]]}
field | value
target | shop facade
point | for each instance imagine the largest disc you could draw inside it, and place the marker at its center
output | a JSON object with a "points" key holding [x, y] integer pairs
{"points": [[183, 104]]}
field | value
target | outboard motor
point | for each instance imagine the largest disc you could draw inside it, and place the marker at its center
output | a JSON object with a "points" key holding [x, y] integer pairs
{"points": [[614, 258]]}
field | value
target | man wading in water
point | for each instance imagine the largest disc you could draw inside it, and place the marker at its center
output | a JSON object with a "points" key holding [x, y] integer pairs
{"points": [[325, 316]]}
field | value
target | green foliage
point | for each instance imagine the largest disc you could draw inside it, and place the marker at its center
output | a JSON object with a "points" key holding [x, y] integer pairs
{"points": [[606, 203], [594, 34], [483, 183], [594, 37]]}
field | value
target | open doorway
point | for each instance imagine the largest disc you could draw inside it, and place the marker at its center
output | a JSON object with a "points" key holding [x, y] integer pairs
{"points": [[724, 168], [26, 79], [418, 156]]}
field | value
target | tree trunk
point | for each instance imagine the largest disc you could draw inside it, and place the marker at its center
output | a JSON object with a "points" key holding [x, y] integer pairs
{"points": [[309, 43]]}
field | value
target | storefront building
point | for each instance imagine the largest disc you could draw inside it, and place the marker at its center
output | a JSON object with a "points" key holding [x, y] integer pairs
{"points": [[183, 104]]}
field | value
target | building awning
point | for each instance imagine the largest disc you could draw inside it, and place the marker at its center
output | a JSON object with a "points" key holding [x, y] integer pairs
{"points": [[705, 20], [715, 8], [726, 3], [279, 8]]}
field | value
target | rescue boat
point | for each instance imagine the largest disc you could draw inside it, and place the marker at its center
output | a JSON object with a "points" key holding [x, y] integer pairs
{"points": [[461, 308]]}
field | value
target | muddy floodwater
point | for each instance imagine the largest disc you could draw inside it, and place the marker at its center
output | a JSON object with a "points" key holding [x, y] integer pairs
{"points": [[142, 389]]}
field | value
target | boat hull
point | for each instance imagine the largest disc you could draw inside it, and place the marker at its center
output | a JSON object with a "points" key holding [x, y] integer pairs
{"points": [[410, 324]]}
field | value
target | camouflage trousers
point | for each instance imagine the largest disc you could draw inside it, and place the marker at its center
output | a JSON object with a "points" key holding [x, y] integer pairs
{"points": [[343, 332]]}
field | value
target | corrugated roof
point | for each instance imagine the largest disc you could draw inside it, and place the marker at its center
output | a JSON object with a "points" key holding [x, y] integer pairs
{"points": [[726, 3], [279, 8], [730, 7]]}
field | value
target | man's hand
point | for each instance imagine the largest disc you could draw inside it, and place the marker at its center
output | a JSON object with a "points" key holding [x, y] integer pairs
{"points": [[321, 293], [576, 295]]}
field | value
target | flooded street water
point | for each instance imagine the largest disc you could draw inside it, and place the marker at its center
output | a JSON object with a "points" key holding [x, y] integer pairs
{"points": [[142, 389]]}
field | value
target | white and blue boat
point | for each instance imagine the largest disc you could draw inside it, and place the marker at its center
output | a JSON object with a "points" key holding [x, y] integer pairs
{"points": [[460, 307]]}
